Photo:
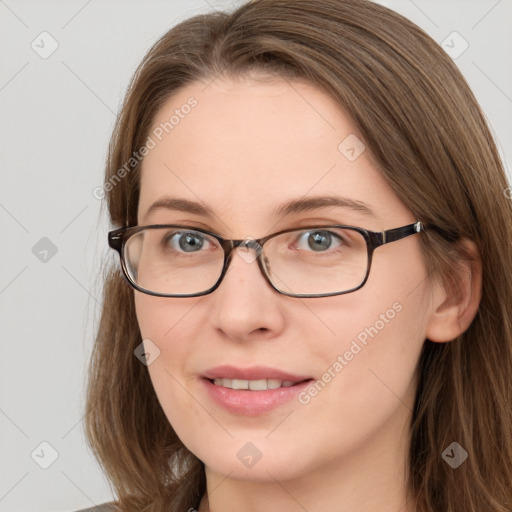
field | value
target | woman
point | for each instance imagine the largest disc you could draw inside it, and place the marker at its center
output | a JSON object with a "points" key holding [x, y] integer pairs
{"points": [[352, 349]]}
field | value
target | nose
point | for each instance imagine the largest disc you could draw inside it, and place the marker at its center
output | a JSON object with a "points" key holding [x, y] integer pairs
{"points": [[245, 305]]}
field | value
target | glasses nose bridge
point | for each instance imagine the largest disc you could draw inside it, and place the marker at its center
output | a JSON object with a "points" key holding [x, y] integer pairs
{"points": [[230, 245]]}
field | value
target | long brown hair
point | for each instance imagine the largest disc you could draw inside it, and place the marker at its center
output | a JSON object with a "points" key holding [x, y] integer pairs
{"points": [[429, 139]]}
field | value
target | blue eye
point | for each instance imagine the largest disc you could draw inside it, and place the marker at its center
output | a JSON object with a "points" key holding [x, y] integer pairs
{"points": [[319, 241], [189, 241]]}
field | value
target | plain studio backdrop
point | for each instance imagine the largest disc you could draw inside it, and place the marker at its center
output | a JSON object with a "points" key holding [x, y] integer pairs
{"points": [[64, 68]]}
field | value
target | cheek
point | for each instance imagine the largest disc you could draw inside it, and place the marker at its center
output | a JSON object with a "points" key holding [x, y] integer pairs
{"points": [[169, 325], [164, 319], [379, 333], [368, 380]]}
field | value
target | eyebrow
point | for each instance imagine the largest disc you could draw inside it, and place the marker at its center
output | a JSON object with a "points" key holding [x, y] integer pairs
{"points": [[290, 207], [316, 202]]}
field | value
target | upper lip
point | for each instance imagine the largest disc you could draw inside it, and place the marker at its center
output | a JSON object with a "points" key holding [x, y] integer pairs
{"points": [[251, 373]]}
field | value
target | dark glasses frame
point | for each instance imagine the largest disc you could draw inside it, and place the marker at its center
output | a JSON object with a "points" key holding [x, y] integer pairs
{"points": [[118, 237]]}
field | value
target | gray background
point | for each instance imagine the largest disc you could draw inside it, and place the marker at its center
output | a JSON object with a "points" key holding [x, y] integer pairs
{"points": [[57, 115]]}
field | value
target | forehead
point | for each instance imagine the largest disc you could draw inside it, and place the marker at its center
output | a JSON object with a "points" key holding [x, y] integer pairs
{"points": [[269, 119], [243, 146]]}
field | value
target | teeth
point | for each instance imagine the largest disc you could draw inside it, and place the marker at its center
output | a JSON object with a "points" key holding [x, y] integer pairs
{"points": [[254, 385]]}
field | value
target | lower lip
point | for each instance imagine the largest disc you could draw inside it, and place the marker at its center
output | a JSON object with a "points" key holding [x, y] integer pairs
{"points": [[252, 403]]}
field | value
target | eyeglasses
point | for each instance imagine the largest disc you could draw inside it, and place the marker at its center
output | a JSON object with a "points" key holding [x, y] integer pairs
{"points": [[173, 260]]}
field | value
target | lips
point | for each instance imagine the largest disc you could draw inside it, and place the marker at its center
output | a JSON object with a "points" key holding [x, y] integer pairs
{"points": [[252, 391], [252, 373]]}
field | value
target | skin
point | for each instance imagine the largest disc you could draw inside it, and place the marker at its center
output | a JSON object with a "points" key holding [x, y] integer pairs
{"points": [[248, 146]]}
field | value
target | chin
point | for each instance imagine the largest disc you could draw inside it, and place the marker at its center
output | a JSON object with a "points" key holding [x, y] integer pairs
{"points": [[258, 461]]}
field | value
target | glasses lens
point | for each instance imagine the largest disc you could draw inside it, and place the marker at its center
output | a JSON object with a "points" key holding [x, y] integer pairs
{"points": [[317, 261], [181, 261], [174, 261]]}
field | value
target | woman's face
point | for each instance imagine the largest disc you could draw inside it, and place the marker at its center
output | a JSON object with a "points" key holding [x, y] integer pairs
{"points": [[242, 150]]}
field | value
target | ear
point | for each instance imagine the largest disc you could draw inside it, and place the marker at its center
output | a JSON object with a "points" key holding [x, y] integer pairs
{"points": [[454, 310]]}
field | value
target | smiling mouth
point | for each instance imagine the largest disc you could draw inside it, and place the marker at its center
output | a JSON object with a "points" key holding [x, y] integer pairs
{"points": [[255, 385]]}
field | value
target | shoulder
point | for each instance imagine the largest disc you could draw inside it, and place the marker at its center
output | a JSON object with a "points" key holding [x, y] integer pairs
{"points": [[103, 507]]}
